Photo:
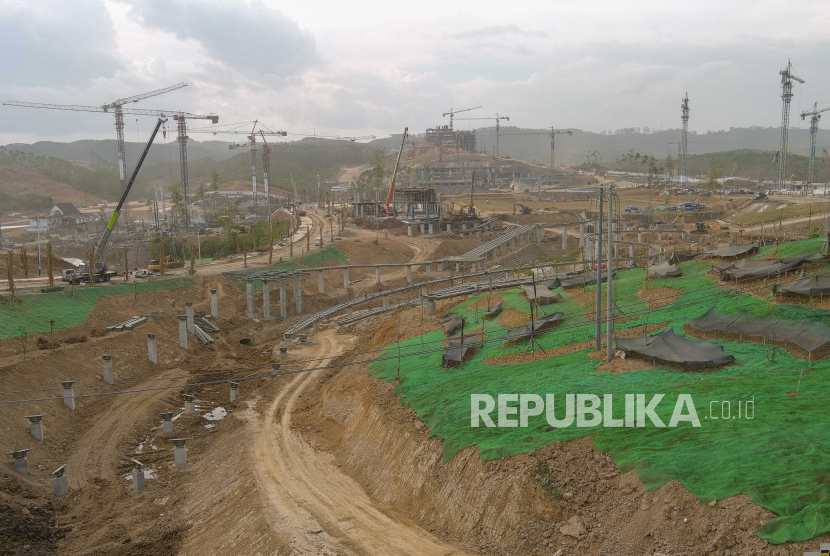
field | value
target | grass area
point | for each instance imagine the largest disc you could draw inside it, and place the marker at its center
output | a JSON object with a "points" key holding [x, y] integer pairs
{"points": [[792, 248], [775, 458], [34, 311]]}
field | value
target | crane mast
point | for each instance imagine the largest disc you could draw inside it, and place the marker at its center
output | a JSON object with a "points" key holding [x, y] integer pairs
{"points": [[498, 126], [395, 171], [787, 78], [815, 116], [684, 139], [452, 113]]}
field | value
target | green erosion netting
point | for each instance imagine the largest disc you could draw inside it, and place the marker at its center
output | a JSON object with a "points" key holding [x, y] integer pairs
{"points": [[792, 248], [35, 310], [778, 458]]}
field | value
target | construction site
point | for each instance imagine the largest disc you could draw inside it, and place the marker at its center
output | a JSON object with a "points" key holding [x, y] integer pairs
{"points": [[473, 354]]}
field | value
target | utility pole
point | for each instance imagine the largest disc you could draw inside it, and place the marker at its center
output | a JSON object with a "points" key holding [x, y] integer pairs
{"points": [[609, 311], [787, 78], [599, 271], [684, 146]]}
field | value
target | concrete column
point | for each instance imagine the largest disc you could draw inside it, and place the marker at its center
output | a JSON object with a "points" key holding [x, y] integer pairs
{"points": [[275, 368], [298, 294], [214, 303], [431, 229], [36, 426], [659, 236], [521, 239], [189, 404], [513, 243], [349, 311], [457, 267], [138, 476], [423, 290], [430, 307], [631, 251], [189, 314], [463, 226], [179, 450], [266, 299], [449, 227], [385, 301], [441, 266], [581, 236], [428, 269], [68, 394], [589, 250], [283, 352], [346, 278], [152, 350], [409, 274], [283, 301], [409, 230], [107, 368], [249, 299], [182, 331], [167, 422], [377, 275], [565, 236], [234, 391], [421, 228], [60, 482], [21, 464], [639, 236], [321, 285]]}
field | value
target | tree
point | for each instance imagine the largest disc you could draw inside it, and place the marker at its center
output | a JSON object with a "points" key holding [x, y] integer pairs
{"points": [[178, 201], [214, 181]]}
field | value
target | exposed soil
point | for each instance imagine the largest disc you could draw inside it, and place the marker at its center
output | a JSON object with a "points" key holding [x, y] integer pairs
{"points": [[659, 297], [19, 181]]}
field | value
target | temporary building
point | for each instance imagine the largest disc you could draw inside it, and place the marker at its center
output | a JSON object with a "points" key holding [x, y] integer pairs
{"points": [[813, 286], [668, 346], [733, 250], [664, 269]]}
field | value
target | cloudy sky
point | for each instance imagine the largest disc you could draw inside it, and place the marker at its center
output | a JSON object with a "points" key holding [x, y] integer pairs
{"points": [[364, 67]]}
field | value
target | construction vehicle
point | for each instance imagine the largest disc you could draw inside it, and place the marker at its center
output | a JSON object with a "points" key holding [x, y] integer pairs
{"points": [[760, 196], [700, 227], [460, 212], [156, 267], [525, 210], [395, 175]]}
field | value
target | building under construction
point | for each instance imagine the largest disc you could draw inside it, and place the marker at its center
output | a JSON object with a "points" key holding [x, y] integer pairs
{"points": [[445, 137], [406, 203]]}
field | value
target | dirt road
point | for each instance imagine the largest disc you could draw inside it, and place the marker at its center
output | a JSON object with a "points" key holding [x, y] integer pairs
{"points": [[312, 503]]}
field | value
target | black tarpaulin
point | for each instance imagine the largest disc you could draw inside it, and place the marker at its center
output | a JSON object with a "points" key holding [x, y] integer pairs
{"points": [[664, 269], [538, 325], [542, 293], [459, 347], [668, 346], [732, 250], [749, 268], [813, 286], [493, 311], [452, 323], [583, 279]]}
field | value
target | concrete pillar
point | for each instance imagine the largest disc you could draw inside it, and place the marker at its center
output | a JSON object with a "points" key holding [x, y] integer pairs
{"points": [[36, 426], [428, 269], [565, 236], [138, 476], [249, 298], [631, 251], [478, 234], [430, 307], [512, 245], [107, 368], [385, 301], [449, 227], [349, 311], [283, 301], [21, 464], [189, 404], [266, 299], [521, 239], [423, 290], [321, 285], [346, 278], [283, 352], [659, 236], [189, 313], [298, 294], [431, 229], [463, 226], [581, 236], [214, 303], [167, 422], [441, 266], [234, 391], [589, 250], [182, 331], [421, 228], [68, 394], [179, 450], [457, 267], [409, 230], [152, 350], [639, 236], [377, 275], [409, 274], [275, 368], [60, 482]]}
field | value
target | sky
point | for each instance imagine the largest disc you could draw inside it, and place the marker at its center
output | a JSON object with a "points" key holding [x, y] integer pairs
{"points": [[372, 68]]}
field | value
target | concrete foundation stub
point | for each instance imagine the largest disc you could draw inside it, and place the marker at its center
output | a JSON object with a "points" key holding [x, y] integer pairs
{"points": [[214, 303], [283, 353], [639, 237], [565, 236], [298, 294], [275, 368], [346, 278], [321, 286], [250, 311], [428, 269], [409, 274], [60, 483], [266, 299], [409, 230], [179, 450], [385, 301], [167, 421], [234, 390], [68, 394], [107, 369], [21, 464], [138, 476], [377, 275], [36, 426], [182, 331], [449, 227], [421, 228], [430, 307], [189, 313], [189, 404], [152, 350], [431, 228]]}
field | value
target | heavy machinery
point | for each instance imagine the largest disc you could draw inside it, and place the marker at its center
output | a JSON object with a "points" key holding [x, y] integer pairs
{"points": [[815, 116], [525, 210], [700, 227], [460, 212], [395, 174], [155, 266]]}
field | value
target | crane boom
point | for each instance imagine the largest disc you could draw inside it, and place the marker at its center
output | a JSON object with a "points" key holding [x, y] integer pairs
{"points": [[137, 111], [136, 98], [108, 230], [395, 171]]}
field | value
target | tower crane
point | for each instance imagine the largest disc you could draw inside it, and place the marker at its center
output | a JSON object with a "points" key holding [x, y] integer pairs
{"points": [[452, 113], [337, 137], [684, 139], [553, 133], [815, 116], [497, 118], [787, 78]]}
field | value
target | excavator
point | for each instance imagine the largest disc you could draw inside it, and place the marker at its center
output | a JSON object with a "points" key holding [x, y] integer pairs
{"points": [[700, 227], [460, 211], [525, 210], [387, 210]]}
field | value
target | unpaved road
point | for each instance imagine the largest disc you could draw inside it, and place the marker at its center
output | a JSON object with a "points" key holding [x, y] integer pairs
{"points": [[310, 502]]}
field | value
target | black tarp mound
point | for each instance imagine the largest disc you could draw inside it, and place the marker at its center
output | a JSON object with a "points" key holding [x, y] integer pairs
{"points": [[664, 269], [814, 286], [750, 268], [553, 284], [452, 323], [813, 337], [459, 347], [538, 325], [668, 346], [493, 311], [583, 279], [541, 293], [732, 250]]}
